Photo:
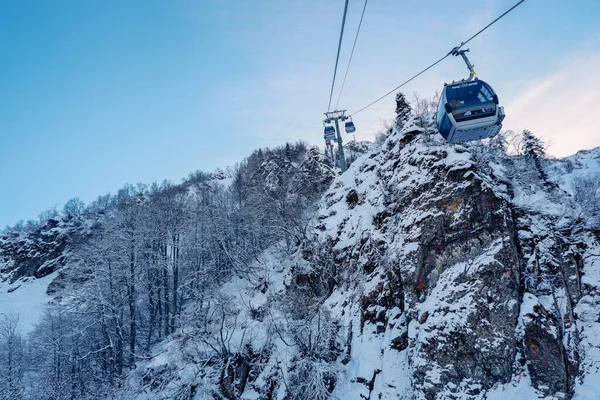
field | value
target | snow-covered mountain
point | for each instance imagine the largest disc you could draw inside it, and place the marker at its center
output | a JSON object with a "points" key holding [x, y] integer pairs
{"points": [[425, 271]]}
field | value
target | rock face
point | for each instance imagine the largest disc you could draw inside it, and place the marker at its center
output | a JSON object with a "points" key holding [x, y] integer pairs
{"points": [[461, 268], [40, 251]]}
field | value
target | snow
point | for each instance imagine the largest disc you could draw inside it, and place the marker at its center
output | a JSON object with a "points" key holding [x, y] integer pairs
{"points": [[225, 182], [519, 389], [370, 352], [585, 164], [25, 298]]}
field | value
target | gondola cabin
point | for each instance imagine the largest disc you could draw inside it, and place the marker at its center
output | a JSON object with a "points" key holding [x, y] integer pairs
{"points": [[350, 128], [329, 132], [469, 110]]}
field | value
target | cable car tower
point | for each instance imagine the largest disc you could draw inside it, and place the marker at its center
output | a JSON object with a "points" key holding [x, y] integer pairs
{"points": [[332, 133]]}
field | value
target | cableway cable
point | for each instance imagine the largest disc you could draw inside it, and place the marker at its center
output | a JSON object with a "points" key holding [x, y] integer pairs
{"points": [[441, 59], [337, 59], [351, 53]]}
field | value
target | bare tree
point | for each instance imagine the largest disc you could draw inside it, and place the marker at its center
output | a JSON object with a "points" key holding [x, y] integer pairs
{"points": [[73, 208], [12, 362]]}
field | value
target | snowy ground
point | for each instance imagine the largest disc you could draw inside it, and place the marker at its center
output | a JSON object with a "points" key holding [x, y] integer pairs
{"points": [[26, 298]]}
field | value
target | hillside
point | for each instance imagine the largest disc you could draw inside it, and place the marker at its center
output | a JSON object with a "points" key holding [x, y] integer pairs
{"points": [[425, 271]]}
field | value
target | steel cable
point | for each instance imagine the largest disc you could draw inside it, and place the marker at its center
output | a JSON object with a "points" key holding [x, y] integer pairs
{"points": [[337, 59], [351, 53], [441, 59]]}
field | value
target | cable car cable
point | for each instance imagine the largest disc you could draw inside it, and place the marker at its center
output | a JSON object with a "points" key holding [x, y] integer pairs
{"points": [[337, 59], [441, 59], [399, 86], [351, 53], [487, 26]]}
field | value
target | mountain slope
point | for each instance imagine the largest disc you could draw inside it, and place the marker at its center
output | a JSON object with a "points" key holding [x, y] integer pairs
{"points": [[437, 272], [429, 271]]}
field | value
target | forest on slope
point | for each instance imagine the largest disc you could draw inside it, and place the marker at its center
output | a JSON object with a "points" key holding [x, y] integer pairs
{"points": [[130, 264]]}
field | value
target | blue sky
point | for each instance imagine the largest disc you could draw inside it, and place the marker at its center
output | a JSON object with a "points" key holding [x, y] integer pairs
{"points": [[95, 94]]}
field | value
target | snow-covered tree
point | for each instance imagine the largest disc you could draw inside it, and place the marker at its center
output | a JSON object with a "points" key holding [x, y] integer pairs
{"points": [[73, 208], [534, 149], [499, 143], [12, 362], [403, 109], [532, 146], [587, 195]]}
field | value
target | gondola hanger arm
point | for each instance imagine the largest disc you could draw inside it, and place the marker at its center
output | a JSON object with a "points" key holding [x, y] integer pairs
{"points": [[455, 52]]}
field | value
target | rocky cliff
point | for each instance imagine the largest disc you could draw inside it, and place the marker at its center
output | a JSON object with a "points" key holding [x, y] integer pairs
{"points": [[465, 274]]}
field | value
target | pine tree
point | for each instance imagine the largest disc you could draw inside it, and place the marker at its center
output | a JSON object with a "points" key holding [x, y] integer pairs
{"points": [[532, 146], [535, 149], [403, 109], [260, 156]]}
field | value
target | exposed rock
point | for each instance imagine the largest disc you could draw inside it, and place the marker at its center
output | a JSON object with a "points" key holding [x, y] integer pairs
{"points": [[458, 262]]}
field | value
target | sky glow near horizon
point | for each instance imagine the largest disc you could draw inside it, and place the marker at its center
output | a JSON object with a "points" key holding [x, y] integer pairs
{"points": [[96, 94]]}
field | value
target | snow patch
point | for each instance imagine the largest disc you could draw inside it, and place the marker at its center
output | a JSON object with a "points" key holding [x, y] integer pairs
{"points": [[26, 298]]}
